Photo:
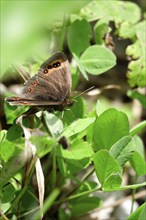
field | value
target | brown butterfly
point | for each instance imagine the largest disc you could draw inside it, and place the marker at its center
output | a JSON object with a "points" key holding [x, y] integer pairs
{"points": [[50, 87]]}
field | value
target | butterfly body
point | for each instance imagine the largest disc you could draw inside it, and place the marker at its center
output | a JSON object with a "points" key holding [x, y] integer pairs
{"points": [[50, 87]]}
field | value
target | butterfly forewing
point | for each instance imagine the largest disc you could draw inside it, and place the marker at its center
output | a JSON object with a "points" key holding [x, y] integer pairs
{"points": [[50, 86], [55, 74]]}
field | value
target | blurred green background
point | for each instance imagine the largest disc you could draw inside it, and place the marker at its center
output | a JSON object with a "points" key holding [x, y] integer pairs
{"points": [[27, 28]]}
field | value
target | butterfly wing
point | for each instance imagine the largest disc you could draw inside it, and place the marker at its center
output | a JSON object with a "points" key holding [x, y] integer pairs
{"points": [[30, 102], [53, 81], [51, 86]]}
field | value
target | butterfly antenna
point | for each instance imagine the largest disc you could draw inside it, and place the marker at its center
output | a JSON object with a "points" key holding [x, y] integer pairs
{"points": [[25, 75], [84, 91]]}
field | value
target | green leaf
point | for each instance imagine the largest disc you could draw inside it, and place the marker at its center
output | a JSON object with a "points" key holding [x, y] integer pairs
{"points": [[99, 108], [14, 132], [54, 124], [97, 59], [137, 68], [13, 165], [110, 127], [77, 126], [62, 214], [127, 30], [43, 144], [78, 108], [136, 73], [6, 150], [7, 193], [13, 112], [112, 182], [78, 156], [28, 201], [80, 66], [137, 95], [138, 164], [75, 112], [78, 151], [139, 146], [137, 160], [61, 163], [100, 29], [89, 133], [134, 50], [122, 150], [79, 36], [3, 134], [106, 167], [74, 76], [116, 11], [139, 214], [83, 205], [140, 32]]}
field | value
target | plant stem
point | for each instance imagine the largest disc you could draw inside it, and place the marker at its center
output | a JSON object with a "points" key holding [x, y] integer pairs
{"points": [[82, 181], [78, 195], [54, 168], [133, 196], [135, 186], [31, 169]]}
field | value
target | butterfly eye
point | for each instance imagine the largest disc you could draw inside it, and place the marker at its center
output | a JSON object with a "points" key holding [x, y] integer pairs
{"points": [[55, 65], [29, 89], [45, 71]]}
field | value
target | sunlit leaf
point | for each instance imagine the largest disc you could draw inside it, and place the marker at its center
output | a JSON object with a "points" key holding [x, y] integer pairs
{"points": [[97, 59], [123, 149], [77, 126], [109, 127], [79, 36], [106, 167]]}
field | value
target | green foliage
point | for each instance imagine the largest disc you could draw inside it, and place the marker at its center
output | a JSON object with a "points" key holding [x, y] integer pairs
{"points": [[139, 213], [97, 60], [117, 121], [77, 126], [122, 150], [83, 205], [107, 170], [98, 9], [137, 95], [12, 112], [11, 153], [137, 160], [77, 157], [95, 138], [137, 68], [100, 29], [79, 32], [7, 193]]}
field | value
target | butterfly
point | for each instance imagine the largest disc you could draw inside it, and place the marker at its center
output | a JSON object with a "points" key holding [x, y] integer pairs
{"points": [[50, 87]]}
